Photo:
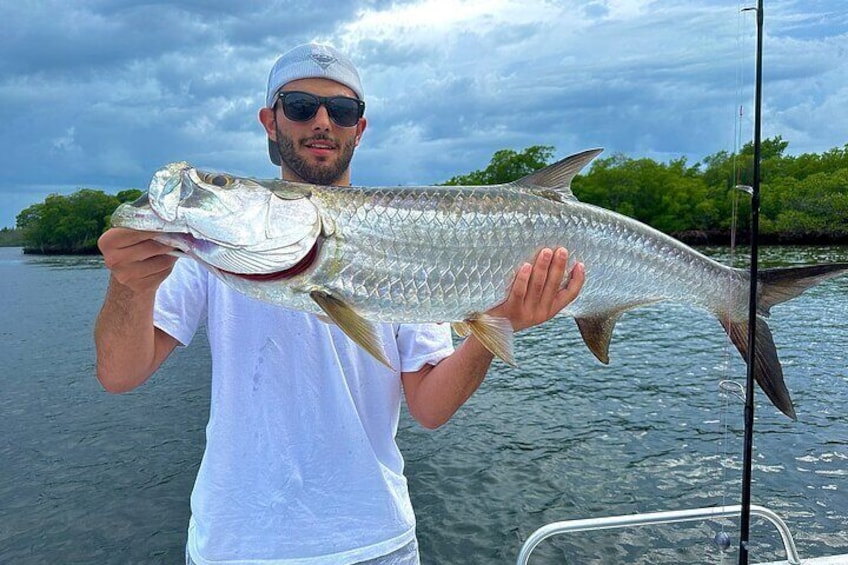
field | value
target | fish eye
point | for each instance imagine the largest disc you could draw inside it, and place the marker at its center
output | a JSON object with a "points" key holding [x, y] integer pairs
{"points": [[222, 180], [217, 179]]}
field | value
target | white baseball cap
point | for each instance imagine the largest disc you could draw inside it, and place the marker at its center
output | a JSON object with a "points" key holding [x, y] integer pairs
{"points": [[312, 60]]}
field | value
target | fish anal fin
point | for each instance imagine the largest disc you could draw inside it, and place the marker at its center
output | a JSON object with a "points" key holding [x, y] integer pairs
{"points": [[357, 328], [597, 333], [767, 370], [494, 333]]}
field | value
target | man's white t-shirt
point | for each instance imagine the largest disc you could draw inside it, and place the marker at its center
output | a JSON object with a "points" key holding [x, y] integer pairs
{"points": [[301, 464]]}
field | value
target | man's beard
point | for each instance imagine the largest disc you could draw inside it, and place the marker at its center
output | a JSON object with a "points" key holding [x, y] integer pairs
{"points": [[324, 174]]}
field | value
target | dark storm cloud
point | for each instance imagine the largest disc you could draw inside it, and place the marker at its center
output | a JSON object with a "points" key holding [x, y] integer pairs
{"points": [[100, 93]]}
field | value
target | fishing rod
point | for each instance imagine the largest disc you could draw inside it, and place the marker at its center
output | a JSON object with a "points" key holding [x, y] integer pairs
{"points": [[745, 518]]}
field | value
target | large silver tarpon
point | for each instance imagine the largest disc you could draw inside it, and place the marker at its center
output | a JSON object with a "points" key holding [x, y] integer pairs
{"points": [[448, 254]]}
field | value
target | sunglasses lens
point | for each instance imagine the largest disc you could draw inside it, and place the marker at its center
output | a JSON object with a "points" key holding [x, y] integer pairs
{"points": [[344, 111], [302, 106], [299, 106]]}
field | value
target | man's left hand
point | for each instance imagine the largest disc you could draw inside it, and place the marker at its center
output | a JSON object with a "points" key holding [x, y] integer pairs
{"points": [[537, 293]]}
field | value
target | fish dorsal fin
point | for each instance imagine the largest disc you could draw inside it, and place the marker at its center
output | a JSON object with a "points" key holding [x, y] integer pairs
{"points": [[494, 333], [357, 328], [557, 177], [597, 332]]}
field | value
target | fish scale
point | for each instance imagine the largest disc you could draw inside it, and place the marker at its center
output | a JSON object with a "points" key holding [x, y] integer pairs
{"points": [[402, 271], [386, 270]]}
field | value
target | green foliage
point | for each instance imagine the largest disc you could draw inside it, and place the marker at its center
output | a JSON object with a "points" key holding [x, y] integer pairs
{"points": [[668, 197], [507, 165], [803, 197], [129, 195], [69, 224], [11, 238], [815, 207]]}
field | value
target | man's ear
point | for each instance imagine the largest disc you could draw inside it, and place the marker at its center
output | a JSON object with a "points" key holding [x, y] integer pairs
{"points": [[267, 119], [360, 129]]}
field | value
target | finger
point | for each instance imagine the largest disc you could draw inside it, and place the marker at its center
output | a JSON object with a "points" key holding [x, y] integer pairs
{"points": [[116, 238], [142, 250], [556, 272], [159, 267], [148, 273], [122, 257], [575, 283], [539, 276], [150, 248], [520, 283]]}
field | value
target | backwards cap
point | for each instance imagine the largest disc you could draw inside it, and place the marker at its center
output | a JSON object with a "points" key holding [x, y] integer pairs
{"points": [[312, 60]]}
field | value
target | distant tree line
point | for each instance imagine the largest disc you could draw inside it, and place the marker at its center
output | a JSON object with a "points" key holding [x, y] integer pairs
{"points": [[804, 197], [69, 224], [11, 238]]}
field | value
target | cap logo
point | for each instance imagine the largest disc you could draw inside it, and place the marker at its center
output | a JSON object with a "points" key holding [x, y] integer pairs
{"points": [[323, 60]]}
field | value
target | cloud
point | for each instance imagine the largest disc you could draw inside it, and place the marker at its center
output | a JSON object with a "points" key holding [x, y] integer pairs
{"points": [[101, 93]]}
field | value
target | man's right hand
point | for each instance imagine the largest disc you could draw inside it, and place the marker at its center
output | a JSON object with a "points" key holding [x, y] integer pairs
{"points": [[129, 347], [136, 260]]}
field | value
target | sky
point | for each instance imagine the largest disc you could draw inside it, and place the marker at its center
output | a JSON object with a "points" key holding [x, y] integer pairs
{"points": [[101, 93]]}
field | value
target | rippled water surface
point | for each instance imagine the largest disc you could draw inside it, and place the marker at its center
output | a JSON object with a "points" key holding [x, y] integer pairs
{"points": [[92, 478]]}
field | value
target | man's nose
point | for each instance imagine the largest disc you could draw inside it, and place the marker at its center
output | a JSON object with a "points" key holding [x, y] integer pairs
{"points": [[321, 119]]}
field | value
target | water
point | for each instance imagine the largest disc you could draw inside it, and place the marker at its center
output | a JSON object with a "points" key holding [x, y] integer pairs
{"points": [[88, 477]]}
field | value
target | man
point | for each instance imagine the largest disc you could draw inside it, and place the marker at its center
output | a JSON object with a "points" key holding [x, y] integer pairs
{"points": [[301, 464]]}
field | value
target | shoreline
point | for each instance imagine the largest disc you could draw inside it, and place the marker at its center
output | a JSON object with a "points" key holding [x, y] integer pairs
{"points": [[691, 237], [709, 237]]}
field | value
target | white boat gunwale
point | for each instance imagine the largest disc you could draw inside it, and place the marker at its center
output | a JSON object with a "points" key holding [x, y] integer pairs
{"points": [[671, 517]]}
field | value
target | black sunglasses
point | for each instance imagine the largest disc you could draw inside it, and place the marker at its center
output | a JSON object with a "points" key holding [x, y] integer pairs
{"points": [[302, 106]]}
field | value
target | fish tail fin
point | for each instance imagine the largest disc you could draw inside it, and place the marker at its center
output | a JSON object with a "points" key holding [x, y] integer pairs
{"points": [[776, 286], [767, 370], [782, 284]]}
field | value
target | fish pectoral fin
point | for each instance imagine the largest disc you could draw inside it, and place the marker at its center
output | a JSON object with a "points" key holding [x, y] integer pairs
{"points": [[461, 329], [357, 328], [597, 333], [494, 333]]}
